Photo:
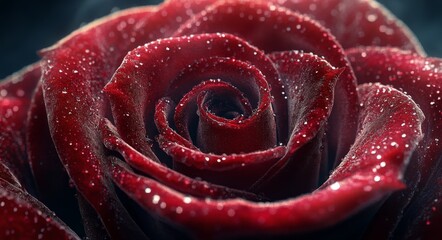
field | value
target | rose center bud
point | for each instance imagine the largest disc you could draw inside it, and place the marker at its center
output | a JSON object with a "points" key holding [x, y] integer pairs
{"points": [[227, 124], [224, 108]]}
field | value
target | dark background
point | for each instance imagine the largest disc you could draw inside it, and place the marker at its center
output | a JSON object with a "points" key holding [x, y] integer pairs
{"points": [[29, 25]]}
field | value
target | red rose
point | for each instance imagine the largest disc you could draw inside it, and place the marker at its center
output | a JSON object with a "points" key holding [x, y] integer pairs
{"points": [[219, 119]]}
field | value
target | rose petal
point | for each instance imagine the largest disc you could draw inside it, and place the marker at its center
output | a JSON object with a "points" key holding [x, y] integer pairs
{"points": [[389, 131], [165, 175], [163, 111], [8, 176], [235, 170], [309, 82], [58, 195], [235, 217], [358, 23], [15, 95], [409, 214], [75, 71], [23, 217]]}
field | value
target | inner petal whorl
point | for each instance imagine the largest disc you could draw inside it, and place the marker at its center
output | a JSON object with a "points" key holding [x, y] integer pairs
{"points": [[187, 113], [206, 105], [222, 135]]}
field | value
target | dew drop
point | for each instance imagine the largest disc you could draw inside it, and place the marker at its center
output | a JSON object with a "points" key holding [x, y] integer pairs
{"points": [[335, 186], [155, 199], [231, 212], [187, 200], [372, 17], [179, 210]]}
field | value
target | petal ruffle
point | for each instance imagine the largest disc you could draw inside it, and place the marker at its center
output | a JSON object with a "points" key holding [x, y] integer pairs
{"points": [[409, 213], [358, 22], [309, 84]]}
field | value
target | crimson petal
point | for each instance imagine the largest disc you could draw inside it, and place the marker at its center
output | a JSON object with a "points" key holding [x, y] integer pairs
{"points": [[389, 131], [15, 98], [8, 176], [409, 214], [165, 175], [358, 22], [309, 82], [46, 165], [75, 70], [23, 217]]}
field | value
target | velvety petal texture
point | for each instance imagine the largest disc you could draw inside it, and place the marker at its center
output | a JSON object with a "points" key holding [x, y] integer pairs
{"points": [[15, 99], [255, 21], [219, 119], [358, 23], [357, 182], [26, 218], [420, 78]]}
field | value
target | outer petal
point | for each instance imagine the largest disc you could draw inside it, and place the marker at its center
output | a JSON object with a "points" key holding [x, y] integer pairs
{"points": [[335, 201], [309, 84], [78, 63], [414, 212], [46, 166], [358, 22], [7, 176], [15, 97], [389, 131], [23, 217]]}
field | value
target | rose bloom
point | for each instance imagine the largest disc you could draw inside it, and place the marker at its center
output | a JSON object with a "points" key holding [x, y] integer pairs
{"points": [[237, 119]]}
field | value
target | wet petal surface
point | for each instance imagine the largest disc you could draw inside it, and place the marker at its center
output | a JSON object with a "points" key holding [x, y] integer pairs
{"points": [[410, 215]]}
